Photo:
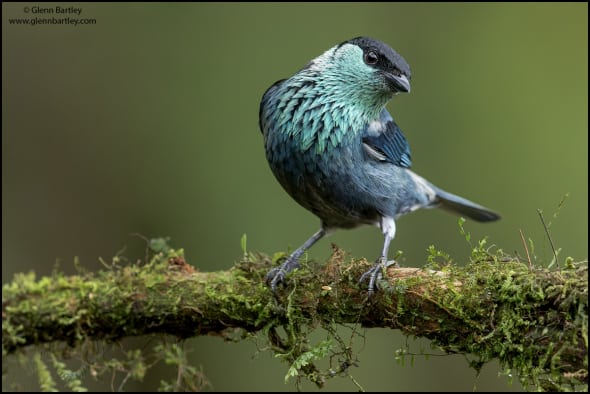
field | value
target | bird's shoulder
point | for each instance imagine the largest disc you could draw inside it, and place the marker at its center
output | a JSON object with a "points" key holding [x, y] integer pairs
{"points": [[266, 97], [272, 88], [384, 141]]}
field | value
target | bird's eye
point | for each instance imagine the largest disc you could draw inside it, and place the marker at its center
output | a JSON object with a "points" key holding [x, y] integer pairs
{"points": [[371, 58]]}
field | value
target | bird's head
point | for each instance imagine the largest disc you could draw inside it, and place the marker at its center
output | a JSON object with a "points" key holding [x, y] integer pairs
{"points": [[364, 68], [379, 61]]}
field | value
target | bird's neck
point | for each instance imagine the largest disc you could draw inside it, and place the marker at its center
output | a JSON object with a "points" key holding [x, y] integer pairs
{"points": [[363, 103], [323, 113], [327, 122]]}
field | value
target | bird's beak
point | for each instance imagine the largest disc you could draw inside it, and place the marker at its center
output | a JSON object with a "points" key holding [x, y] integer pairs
{"points": [[398, 83]]}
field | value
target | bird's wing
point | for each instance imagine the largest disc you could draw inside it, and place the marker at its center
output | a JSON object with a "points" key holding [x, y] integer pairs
{"points": [[384, 141]]}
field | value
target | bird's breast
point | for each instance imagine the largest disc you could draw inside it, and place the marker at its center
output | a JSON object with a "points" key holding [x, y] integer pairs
{"points": [[314, 148], [321, 169]]}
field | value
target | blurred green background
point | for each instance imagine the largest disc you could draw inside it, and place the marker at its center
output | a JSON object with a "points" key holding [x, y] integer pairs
{"points": [[147, 122]]}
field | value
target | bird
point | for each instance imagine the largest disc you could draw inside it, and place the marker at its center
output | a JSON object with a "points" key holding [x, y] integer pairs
{"points": [[336, 150]]}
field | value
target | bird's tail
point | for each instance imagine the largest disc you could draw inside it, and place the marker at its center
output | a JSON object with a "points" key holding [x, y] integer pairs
{"points": [[462, 206]]}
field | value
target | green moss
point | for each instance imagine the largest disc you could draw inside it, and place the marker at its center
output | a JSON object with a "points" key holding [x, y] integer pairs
{"points": [[523, 309], [533, 320]]}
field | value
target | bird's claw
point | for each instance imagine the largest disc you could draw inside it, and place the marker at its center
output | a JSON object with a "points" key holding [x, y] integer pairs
{"points": [[375, 273], [277, 274]]}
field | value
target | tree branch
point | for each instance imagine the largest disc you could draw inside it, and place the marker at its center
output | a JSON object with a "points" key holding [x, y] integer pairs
{"points": [[531, 320]]}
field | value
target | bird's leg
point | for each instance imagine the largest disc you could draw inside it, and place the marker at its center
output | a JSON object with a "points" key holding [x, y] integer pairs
{"points": [[277, 274], [375, 273]]}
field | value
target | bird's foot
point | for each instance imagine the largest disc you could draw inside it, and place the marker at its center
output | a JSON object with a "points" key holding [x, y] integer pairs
{"points": [[277, 274], [376, 273]]}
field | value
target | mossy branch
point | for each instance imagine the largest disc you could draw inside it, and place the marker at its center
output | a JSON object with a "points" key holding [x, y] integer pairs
{"points": [[532, 320]]}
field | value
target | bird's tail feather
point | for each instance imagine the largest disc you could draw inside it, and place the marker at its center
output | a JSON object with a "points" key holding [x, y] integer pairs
{"points": [[462, 206]]}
